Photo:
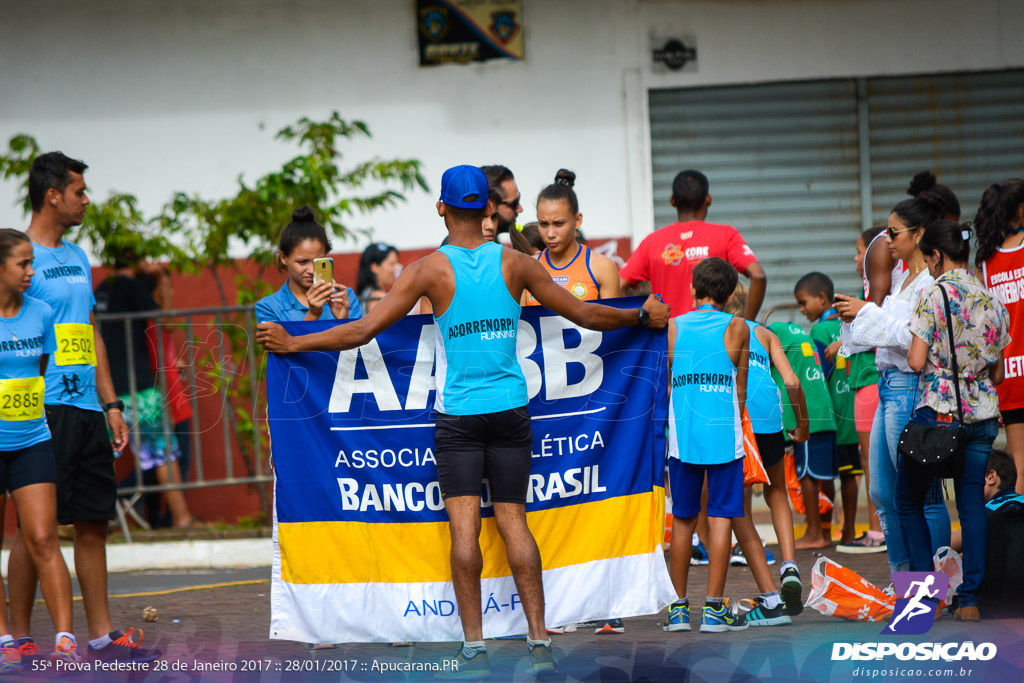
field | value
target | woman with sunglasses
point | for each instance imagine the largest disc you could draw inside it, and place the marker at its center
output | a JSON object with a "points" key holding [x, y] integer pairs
{"points": [[999, 225], [886, 328], [980, 333]]}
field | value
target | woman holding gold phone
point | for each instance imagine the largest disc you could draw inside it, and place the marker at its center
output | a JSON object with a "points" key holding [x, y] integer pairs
{"points": [[302, 242]]}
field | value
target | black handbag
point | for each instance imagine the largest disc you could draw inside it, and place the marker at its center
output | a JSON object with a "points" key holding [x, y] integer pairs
{"points": [[938, 451]]}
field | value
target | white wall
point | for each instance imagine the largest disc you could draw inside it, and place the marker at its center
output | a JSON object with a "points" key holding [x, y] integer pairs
{"points": [[185, 95]]}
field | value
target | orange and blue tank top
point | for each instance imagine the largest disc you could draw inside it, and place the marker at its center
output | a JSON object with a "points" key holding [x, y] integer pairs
{"points": [[576, 276]]}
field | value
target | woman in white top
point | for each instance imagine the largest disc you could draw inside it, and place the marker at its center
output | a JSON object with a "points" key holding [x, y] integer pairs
{"points": [[886, 328]]}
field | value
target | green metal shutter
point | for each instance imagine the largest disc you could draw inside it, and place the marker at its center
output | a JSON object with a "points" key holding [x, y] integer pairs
{"points": [[783, 164], [967, 128]]}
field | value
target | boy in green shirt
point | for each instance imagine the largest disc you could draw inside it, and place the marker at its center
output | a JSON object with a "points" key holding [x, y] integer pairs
{"points": [[814, 293], [816, 459]]}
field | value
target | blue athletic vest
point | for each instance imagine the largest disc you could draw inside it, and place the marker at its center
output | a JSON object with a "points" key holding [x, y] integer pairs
{"points": [[764, 402], [477, 368], [704, 419]]}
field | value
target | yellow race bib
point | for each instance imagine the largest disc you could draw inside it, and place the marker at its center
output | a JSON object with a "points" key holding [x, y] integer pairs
{"points": [[22, 398], [75, 344]]}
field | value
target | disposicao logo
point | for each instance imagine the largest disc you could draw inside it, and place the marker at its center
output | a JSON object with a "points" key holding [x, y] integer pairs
{"points": [[914, 613]]}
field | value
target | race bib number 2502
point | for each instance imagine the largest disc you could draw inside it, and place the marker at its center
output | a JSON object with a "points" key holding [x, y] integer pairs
{"points": [[75, 344]]}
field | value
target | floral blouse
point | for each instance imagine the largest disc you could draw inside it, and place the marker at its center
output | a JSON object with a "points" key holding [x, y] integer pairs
{"points": [[980, 329]]}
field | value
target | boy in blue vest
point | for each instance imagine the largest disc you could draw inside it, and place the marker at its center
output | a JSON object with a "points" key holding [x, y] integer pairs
{"points": [[708, 361], [483, 428]]}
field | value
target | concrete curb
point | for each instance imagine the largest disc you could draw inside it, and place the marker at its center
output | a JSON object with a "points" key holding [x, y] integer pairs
{"points": [[206, 554]]}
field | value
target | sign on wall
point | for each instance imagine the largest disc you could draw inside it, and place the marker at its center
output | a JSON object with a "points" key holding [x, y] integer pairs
{"points": [[464, 31], [674, 54]]}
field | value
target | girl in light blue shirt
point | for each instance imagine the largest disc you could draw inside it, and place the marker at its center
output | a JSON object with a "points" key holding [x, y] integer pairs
{"points": [[301, 241], [28, 466]]}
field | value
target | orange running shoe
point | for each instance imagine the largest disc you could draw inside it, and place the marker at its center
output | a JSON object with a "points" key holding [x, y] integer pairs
{"points": [[66, 651], [29, 652]]}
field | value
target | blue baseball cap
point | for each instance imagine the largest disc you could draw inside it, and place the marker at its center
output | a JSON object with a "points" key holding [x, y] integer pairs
{"points": [[459, 182]]}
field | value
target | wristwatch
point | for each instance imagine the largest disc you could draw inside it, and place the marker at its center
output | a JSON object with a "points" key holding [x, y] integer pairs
{"points": [[644, 318], [114, 405]]}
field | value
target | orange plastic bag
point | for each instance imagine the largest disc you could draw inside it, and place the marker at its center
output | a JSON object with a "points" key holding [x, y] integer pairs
{"points": [[753, 468], [793, 489], [840, 592]]}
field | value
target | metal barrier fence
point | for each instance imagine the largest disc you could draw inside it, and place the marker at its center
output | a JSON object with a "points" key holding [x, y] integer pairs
{"points": [[185, 320], [221, 371]]}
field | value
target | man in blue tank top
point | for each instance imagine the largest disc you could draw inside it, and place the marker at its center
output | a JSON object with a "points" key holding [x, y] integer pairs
{"points": [[483, 427]]}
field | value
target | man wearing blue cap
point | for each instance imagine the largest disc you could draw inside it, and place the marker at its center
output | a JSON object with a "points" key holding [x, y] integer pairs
{"points": [[483, 427]]}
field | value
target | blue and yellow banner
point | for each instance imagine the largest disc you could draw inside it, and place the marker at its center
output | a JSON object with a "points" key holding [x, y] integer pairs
{"points": [[361, 536]]}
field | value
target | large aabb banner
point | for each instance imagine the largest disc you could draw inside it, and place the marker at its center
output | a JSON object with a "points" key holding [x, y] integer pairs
{"points": [[361, 535]]}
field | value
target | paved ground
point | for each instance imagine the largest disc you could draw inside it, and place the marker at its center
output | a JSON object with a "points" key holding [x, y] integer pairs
{"points": [[228, 625]]}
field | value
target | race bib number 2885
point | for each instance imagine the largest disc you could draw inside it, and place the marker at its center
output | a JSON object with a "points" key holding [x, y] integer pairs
{"points": [[21, 398]]}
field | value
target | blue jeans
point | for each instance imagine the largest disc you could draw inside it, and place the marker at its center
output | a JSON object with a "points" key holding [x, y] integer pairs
{"points": [[897, 395], [970, 503]]}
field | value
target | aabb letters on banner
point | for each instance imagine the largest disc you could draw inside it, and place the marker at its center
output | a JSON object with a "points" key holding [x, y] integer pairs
{"points": [[361, 536]]}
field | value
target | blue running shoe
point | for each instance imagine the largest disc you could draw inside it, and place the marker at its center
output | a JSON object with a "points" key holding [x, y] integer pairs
{"points": [[738, 560], [720, 620], [678, 618], [762, 616], [699, 554]]}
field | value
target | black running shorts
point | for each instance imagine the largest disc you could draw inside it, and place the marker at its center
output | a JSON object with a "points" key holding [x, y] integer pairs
{"points": [[86, 485], [771, 447], [849, 459], [26, 466], [496, 447]]}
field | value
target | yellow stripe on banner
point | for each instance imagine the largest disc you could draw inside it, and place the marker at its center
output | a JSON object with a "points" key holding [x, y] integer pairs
{"points": [[339, 552]]}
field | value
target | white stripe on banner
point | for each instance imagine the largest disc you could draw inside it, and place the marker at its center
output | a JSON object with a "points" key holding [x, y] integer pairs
{"points": [[322, 612], [431, 424]]}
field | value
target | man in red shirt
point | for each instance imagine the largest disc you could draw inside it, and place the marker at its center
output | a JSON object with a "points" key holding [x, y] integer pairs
{"points": [[666, 257]]}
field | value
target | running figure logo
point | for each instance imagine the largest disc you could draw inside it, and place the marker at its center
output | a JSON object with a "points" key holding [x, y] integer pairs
{"points": [[71, 387], [914, 613]]}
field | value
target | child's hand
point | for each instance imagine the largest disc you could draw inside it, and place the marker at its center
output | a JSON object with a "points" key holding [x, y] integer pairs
{"points": [[832, 350], [799, 435]]}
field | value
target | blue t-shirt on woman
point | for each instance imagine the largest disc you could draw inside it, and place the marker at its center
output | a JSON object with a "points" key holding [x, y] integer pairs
{"points": [[282, 305], [23, 340]]}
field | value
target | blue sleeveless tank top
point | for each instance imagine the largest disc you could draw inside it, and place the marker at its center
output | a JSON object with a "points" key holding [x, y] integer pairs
{"points": [[764, 402], [477, 368], [704, 418]]}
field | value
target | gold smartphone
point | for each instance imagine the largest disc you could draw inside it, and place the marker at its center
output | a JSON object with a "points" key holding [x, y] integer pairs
{"points": [[323, 270]]}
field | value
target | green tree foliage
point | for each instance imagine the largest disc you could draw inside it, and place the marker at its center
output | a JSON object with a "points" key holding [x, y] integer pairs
{"points": [[192, 233]]}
